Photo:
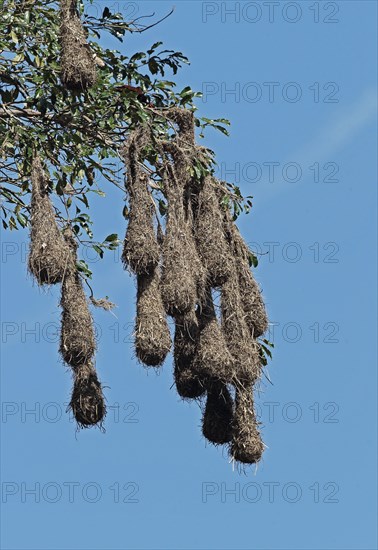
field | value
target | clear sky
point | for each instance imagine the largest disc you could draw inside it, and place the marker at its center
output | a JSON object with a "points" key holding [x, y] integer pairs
{"points": [[303, 143]]}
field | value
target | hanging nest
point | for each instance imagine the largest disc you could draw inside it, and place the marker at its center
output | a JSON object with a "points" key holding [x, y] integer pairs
{"points": [[77, 339], [182, 273], [250, 293], [212, 245], [188, 384], [152, 336], [141, 251], [213, 360], [218, 416], [49, 254], [243, 348], [183, 277], [78, 66], [246, 446], [87, 401]]}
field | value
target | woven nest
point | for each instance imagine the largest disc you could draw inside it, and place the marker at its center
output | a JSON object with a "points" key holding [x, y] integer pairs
{"points": [[250, 293], [218, 415], [87, 401], [141, 252], [78, 67], [49, 254], [246, 446], [213, 248], [243, 348], [188, 384], [182, 273], [213, 360], [77, 339], [152, 336]]}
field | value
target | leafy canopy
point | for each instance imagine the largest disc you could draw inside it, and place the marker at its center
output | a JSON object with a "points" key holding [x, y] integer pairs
{"points": [[78, 135]]}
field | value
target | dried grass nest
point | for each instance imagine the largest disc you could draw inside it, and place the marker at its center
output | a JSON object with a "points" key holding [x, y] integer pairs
{"points": [[49, 254], [78, 66]]}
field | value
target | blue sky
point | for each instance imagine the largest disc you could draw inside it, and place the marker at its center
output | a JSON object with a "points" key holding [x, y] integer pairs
{"points": [[151, 481]]}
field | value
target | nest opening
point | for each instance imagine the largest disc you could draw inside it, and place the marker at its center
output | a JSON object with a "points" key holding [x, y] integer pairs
{"points": [[87, 401], [218, 415]]}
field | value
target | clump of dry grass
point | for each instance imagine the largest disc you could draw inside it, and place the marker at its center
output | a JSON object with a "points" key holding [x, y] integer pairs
{"points": [[141, 251], [87, 401], [102, 303], [77, 338], [213, 360], [182, 273], [189, 384], [246, 446], [218, 415], [49, 254], [211, 241], [243, 348], [78, 345], [152, 336], [252, 302], [78, 66]]}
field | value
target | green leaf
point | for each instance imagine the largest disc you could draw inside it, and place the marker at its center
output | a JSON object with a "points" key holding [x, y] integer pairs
{"points": [[252, 259], [83, 268], [153, 47], [163, 207], [99, 250], [22, 220], [111, 238]]}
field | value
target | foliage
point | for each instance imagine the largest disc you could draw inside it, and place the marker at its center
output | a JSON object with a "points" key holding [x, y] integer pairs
{"points": [[78, 135]]}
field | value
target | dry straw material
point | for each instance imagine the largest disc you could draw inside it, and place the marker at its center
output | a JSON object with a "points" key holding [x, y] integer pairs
{"points": [[77, 338], [243, 348], [218, 415], [152, 336], [87, 401], [188, 384], [212, 245], [141, 251], [213, 360], [246, 446], [78, 66], [253, 305], [183, 277], [182, 273], [49, 254]]}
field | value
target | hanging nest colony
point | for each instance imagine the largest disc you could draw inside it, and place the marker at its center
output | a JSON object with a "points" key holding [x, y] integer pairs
{"points": [[78, 66], [49, 254], [201, 250]]}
